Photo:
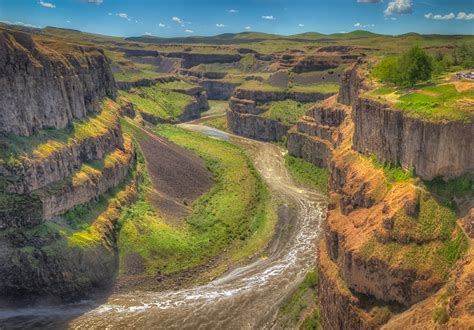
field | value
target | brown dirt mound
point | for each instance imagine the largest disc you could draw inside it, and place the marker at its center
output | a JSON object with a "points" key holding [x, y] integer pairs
{"points": [[178, 176]]}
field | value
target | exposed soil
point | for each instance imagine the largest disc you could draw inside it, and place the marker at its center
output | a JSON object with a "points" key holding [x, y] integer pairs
{"points": [[178, 176]]}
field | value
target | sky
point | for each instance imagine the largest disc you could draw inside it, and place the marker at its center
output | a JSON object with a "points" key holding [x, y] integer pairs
{"points": [[170, 18]]}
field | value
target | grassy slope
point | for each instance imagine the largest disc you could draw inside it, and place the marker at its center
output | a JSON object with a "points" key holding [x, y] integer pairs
{"points": [[434, 103], [307, 174], [287, 112], [159, 101], [235, 214]]}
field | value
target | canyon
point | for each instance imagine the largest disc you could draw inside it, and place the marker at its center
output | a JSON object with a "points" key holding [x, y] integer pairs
{"points": [[152, 180]]}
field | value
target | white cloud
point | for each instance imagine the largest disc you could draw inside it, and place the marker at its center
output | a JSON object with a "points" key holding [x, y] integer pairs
{"points": [[369, 1], [47, 4], [110, 14], [300, 25], [97, 2], [460, 16], [220, 25], [233, 11], [359, 25], [22, 24], [399, 7], [161, 25], [177, 20], [247, 28], [68, 21], [188, 31], [269, 17], [122, 15], [147, 33], [129, 19], [463, 15]]}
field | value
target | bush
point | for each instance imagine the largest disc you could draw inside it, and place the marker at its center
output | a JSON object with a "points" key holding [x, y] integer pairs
{"points": [[412, 67], [464, 56]]}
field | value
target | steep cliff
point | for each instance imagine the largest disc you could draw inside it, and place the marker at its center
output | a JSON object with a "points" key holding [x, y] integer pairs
{"points": [[47, 85], [218, 89], [424, 146], [387, 233]]}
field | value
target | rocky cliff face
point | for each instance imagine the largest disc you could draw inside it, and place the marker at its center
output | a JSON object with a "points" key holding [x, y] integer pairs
{"points": [[424, 146], [369, 261], [256, 127], [318, 133], [269, 96], [47, 176], [218, 89], [193, 59], [44, 85]]}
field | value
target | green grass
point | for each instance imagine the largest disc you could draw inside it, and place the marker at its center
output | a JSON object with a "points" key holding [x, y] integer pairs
{"points": [[233, 215], [460, 187], [323, 88], [176, 85], [307, 174], [440, 104], [287, 112], [434, 103], [159, 102], [260, 86], [305, 296], [15, 149], [219, 123], [393, 173]]}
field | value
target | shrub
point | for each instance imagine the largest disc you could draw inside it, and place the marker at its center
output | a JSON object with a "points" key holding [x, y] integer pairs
{"points": [[412, 67]]}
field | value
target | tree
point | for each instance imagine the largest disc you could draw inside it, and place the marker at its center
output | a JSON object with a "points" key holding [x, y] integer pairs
{"points": [[415, 65]]}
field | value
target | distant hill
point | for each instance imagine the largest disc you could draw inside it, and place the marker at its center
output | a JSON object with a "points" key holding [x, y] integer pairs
{"points": [[246, 37]]}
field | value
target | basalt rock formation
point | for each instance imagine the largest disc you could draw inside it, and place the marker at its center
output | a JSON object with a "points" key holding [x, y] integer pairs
{"points": [[43, 88], [426, 147], [48, 177], [246, 107], [371, 262]]}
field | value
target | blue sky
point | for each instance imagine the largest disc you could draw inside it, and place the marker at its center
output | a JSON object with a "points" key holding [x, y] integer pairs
{"points": [[186, 17]]}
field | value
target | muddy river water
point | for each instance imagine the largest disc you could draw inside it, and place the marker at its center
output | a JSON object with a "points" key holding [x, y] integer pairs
{"points": [[245, 297]]}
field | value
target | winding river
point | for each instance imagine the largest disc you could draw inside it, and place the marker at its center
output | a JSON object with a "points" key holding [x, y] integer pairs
{"points": [[246, 297]]}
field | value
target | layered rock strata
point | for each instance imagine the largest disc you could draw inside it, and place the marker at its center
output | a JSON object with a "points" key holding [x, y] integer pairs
{"points": [[246, 107], [424, 146], [42, 87]]}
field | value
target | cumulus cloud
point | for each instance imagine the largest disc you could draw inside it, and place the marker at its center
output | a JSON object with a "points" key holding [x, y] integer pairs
{"points": [[300, 25], [233, 11], [269, 17], [96, 2], [47, 4], [360, 25], [399, 7], [161, 25], [463, 15], [177, 20], [369, 1], [22, 24], [148, 33], [460, 16], [188, 31], [220, 25], [122, 15], [247, 28]]}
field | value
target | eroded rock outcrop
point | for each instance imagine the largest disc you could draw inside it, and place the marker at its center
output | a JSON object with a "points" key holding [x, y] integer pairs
{"points": [[424, 146], [218, 89], [44, 85]]}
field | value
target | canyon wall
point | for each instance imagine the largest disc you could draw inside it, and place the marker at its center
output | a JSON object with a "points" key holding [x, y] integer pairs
{"points": [[424, 146], [43, 88], [63, 155]]}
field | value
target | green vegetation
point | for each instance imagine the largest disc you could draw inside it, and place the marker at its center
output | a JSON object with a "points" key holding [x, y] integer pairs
{"points": [[307, 174], [287, 112], [413, 66], [460, 187], [440, 315], [304, 297], [433, 103], [235, 214], [393, 173], [246, 64], [438, 103], [219, 123], [312, 322], [323, 88], [158, 101], [177, 85], [260, 86], [14, 149]]}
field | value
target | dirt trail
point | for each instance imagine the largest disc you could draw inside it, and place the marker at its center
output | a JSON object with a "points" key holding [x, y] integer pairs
{"points": [[246, 297]]}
